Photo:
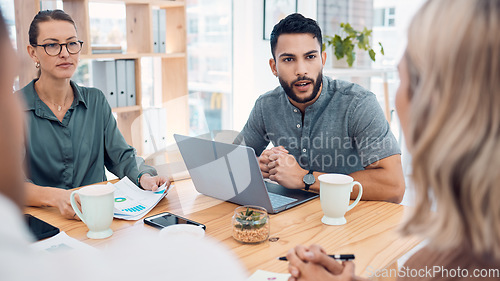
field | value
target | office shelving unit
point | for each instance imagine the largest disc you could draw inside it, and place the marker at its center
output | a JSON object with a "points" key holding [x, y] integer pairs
{"points": [[139, 28]]}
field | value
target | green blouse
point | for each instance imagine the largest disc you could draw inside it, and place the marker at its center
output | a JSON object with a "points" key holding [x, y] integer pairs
{"points": [[74, 152]]}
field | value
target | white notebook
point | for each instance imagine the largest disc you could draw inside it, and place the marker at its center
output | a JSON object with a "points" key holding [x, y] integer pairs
{"points": [[262, 275]]}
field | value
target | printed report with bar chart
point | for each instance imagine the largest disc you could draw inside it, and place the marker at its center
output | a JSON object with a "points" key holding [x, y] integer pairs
{"points": [[133, 203]]}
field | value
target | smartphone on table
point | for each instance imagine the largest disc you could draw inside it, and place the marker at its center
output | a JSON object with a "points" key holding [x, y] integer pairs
{"points": [[166, 219], [40, 228]]}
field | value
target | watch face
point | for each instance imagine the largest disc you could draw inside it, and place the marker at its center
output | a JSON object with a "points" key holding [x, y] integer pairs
{"points": [[309, 179]]}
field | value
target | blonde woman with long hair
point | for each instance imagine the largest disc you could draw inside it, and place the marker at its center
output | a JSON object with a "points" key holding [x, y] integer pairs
{"points": [[449, 106]]}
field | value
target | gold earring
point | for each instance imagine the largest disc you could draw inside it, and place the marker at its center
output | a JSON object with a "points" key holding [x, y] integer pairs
{"points": [[37, 64]]}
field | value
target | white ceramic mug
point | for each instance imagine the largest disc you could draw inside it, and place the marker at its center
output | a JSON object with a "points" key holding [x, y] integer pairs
{"points": [[335, 193], [97, 209]]}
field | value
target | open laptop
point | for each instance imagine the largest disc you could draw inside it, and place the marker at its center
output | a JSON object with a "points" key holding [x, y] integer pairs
{"points": [[231, 173]]}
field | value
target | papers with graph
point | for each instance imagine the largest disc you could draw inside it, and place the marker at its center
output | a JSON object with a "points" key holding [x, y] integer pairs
{"points": [[133, 203], [61, 243]]}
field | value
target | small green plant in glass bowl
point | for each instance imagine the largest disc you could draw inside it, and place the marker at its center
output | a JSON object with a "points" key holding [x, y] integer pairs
{"points": [[250, 224]]}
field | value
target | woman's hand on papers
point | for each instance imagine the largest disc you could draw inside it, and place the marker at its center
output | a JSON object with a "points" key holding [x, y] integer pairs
{"points": [[312, 263], [149, 182]]}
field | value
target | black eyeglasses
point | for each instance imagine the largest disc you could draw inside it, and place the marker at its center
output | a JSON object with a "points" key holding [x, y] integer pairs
{"points": [[54, 49]]}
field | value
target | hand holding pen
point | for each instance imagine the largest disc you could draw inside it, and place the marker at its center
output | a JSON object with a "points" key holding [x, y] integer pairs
{"points": [[312, 263]]}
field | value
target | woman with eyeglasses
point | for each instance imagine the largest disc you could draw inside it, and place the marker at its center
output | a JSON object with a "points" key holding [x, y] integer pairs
{"points": [[72, 134]]}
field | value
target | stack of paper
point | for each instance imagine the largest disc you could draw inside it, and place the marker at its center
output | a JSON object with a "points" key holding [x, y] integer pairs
{"points": [[133, 203], [262, 275], [61, 243]]}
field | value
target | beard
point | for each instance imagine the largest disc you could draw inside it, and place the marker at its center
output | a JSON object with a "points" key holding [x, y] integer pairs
{"points": [[288, 88]]}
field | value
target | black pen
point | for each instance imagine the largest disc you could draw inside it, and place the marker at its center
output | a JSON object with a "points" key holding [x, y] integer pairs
{"points": [[337, 257]]}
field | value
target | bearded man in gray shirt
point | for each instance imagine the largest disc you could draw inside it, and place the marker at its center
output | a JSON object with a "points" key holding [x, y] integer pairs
{"points": [[319, 125]]}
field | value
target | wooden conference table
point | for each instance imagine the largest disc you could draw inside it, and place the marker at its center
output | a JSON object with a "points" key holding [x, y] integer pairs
{"points": [[370, 232]]}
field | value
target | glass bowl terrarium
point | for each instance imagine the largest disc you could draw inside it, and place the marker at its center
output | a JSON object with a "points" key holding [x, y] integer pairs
{"points": [[250, 224]]}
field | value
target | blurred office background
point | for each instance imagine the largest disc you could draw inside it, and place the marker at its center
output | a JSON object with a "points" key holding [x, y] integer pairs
{"points": [[228, 55], [228, 52]]}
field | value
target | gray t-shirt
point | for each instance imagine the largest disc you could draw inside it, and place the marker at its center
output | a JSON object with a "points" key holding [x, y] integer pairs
{"points": [[344, 131]]}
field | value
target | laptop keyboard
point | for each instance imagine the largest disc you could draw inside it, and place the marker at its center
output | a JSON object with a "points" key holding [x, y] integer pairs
{"points": [[278, 200]]}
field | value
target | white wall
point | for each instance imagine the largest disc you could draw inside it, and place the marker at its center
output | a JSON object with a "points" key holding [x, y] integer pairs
{"points": [[252, 76]]}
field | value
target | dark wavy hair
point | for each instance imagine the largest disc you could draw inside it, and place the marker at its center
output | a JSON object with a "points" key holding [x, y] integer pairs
{"points": [[295, 23]]}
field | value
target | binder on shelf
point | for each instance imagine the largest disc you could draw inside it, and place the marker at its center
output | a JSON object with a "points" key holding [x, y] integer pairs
{"points": [[121, 82], [104, 77], [156, 34], [162, 34], [154, 130], [130, 92], [149, 141], [162, 128], [106, 49], [159, 30]]}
